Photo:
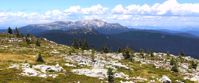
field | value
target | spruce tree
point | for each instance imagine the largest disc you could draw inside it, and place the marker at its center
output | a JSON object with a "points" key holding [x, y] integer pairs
{"points": [[10, 30], [110, 76]]}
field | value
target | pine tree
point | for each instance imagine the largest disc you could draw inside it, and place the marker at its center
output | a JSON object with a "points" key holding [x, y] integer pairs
{"points": [[40, 58], [182, 54], [168, 55], [194, 64], [10, 30], [142, 53], [79, 43], [38, 43], [119, 50], [93, 56], [28, 35], [105, 50], [17, 32], [127, 53], [174, 68], [151, 53], [110, 76], [28, 41], [75, 44], [172, 61], [84, 45]]}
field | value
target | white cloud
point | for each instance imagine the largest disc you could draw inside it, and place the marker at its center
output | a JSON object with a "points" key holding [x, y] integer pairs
{"points": [[168, 13], [96, 9], [73, 9], [119, 9], [169, 7]]}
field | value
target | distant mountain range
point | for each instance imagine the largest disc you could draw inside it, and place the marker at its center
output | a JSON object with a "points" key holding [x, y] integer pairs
{"points": [[2, 30], [98, 25], [194, 31], [99, 34]]}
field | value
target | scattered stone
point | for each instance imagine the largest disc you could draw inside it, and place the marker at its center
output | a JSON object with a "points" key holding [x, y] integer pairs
{"points": [[100, 73], [121, 75], [14, 66], [38, 70], [195, 79], [70, 65], [165, 79], [29, 72], [127, 82], [46, 68]]}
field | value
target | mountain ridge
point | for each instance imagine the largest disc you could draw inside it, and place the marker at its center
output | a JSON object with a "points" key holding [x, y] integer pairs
{"points": [[100, 26], [115, 37]]}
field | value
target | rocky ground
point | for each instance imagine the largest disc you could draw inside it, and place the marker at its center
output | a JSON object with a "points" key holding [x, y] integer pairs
{"points": [[64, 64]]}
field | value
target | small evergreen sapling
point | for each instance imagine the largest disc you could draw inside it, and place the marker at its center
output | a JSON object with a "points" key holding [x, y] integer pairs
{"points": [[18, 34], [75, 44], [126, 53], [174, 68], [142, 53], [105, 50], [194, 64], [93, 55], [40, 59], [172, 61], [119, 50], [38, 43], [28, 40], [110, 75], [10, 30]]}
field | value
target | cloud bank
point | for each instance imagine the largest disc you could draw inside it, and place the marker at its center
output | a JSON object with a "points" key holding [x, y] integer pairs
{"points": [[169, 13]]}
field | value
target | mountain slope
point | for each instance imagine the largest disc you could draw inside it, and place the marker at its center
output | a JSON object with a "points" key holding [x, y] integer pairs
{"points": [[95, 39], [158, 41], [98, 25], [19, 63], [135, 39]]}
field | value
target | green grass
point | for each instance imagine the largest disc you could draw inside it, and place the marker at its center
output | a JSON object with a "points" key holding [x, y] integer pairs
{"points": [[12, 76], [22, 52]]}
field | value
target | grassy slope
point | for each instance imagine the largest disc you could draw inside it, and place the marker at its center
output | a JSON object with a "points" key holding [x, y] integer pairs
{"points": [[21, 52]]}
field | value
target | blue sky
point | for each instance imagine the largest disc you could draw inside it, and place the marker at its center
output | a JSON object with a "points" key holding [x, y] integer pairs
{"points": [[44, 5], [161, 13]]}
